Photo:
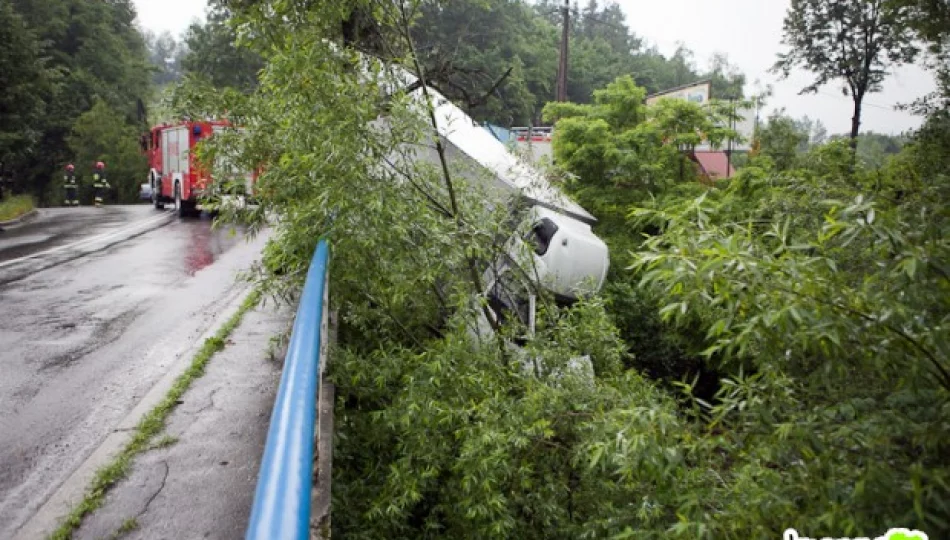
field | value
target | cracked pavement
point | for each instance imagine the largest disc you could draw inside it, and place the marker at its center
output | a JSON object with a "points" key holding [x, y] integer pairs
{"points": [[203, 485], [86, 340]]}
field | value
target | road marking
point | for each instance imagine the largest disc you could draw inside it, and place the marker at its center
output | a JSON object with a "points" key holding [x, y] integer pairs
{"points": [[91, 240]]}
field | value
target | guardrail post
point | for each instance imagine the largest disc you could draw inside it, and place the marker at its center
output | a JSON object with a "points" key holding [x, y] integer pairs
{"points": [[320, 496]]}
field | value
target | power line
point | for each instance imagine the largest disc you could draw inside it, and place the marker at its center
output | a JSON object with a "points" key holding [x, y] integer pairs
{"points": [[892, 108]]}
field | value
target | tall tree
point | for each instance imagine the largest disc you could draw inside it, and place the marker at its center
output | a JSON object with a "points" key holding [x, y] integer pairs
{"points": [[92, 50], [610, 24], [472, 50], [930, 20], [874, 149], [213, 51], [165, 53], [728, 81], [782, 138], [101, 134], [855, 41], [819, 133], [468, 46], [22, 77]]}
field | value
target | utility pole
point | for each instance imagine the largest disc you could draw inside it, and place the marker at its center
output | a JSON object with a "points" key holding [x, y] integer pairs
{"points": [[562, 66], [732, 126]]}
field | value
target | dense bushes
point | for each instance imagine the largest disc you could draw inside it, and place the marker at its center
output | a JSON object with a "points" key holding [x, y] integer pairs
{"points": [[768, 352], [791, 330], [820, 295]]}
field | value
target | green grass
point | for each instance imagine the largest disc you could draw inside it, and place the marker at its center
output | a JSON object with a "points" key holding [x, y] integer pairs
{"points": [[164, 442], [127, 526], [14, 207], [150, 426]]}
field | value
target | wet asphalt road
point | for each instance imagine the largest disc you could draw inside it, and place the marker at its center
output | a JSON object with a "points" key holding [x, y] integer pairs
{"points": [[81, 342], [55, 227]]}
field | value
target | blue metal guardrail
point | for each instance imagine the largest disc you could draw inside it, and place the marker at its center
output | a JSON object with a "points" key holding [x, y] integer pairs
{"points": [[281, 508]]}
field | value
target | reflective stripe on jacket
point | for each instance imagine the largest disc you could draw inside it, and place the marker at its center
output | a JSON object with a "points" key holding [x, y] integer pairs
{"points": [[99, 181]]}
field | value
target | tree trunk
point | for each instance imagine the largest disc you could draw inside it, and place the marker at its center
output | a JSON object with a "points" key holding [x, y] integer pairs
{"points": [[856, 120]]}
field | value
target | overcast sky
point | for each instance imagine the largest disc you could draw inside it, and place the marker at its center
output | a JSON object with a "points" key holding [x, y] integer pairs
{"points": [[748, 31]]}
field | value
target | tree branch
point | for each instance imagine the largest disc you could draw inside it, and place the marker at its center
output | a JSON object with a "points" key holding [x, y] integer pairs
{"points": [[941, 370], [443, 161], [437, 206]]}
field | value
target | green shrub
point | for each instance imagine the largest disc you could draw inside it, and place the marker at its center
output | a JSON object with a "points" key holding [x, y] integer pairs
{"points": [[15, 206]]}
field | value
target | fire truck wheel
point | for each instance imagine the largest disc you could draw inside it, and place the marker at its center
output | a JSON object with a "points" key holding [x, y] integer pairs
{"points": [[159, 205], [182, 211]]}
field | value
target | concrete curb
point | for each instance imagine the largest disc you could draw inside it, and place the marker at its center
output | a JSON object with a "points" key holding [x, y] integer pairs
{"points": [[72, 491], [19, 220]]}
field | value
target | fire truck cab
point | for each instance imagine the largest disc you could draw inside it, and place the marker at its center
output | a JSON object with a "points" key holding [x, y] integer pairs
{"points": [[174, 174]]}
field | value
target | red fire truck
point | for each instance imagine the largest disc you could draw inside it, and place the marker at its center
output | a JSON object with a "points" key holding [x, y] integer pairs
{"points": [[174, 175]]}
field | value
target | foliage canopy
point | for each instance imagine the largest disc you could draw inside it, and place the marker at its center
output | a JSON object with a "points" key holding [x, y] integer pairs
{"points": [[65, 56], [793, 374], [854, 41]]}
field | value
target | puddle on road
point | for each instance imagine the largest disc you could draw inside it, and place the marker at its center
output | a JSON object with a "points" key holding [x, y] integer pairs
{"points": [[67, 343], [141, 267], [207, 244]]}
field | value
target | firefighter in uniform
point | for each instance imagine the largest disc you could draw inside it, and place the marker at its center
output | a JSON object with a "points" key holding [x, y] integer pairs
{"points": [[100, 183], [72, 187]]}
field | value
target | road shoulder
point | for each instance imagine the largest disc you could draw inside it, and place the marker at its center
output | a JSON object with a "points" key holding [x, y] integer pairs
{"points": [[198, 481], [10, 223]]}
